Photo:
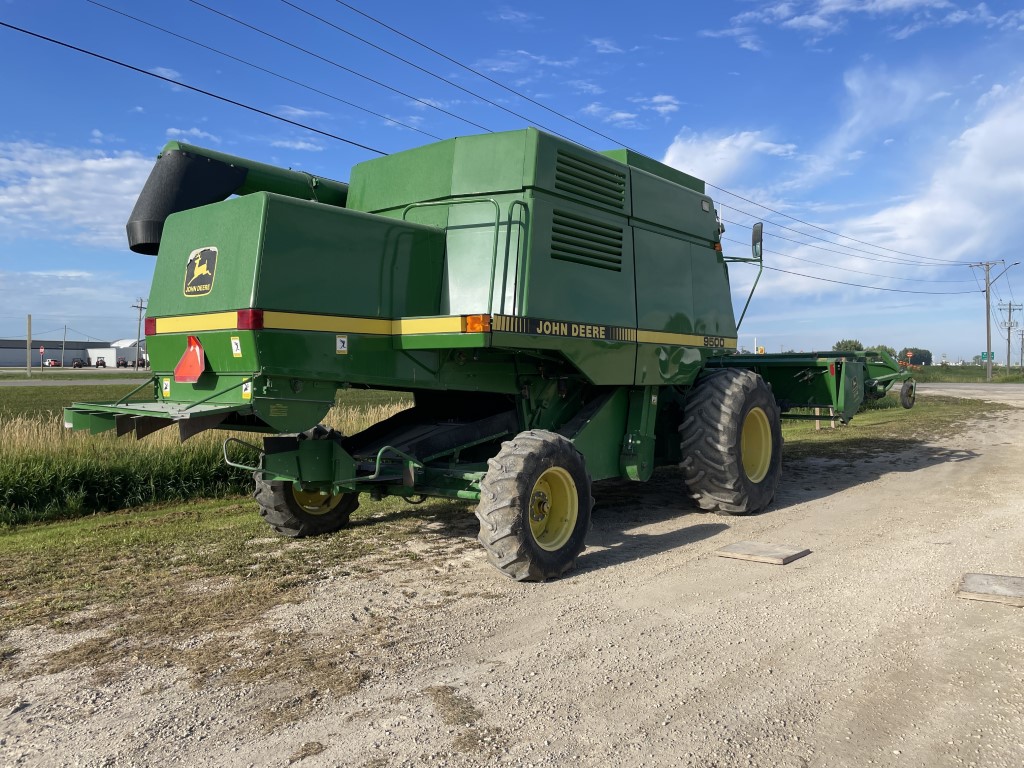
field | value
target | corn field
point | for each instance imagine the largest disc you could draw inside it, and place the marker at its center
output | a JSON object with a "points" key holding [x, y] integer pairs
{"points": [[48, 472]]}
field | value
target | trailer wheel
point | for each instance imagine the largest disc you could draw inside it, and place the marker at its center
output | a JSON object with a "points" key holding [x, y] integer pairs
{"points": [[731, 439], [908, 393], [535, 504]]}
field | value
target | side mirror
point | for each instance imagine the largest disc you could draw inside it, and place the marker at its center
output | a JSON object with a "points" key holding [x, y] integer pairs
{"points": [[755, 240]]}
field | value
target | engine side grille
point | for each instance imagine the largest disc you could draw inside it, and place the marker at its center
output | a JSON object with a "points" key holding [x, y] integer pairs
{"points": [[585, 241], [589, 182]]}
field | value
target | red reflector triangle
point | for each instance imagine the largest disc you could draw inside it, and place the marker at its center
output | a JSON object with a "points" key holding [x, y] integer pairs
{"points": [[192, 363]]}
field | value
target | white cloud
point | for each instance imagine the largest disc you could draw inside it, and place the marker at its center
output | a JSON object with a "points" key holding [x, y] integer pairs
{"points": [[744, 36], [875, 101], [296, 113], [604, 45], [585, 86], [306, 146], [170, 74], [191, 133], [68, 194], [616, 117], [720, 158], [96, 303], [965, 210], [514, 62], [662, 104], [513, 16], [62, 274], [817, 19]]}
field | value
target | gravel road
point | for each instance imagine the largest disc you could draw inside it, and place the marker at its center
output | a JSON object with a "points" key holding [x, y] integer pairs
{"points": [[654, 652]]}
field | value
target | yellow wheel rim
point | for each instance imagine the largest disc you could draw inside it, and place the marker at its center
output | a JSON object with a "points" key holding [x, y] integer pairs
{"points": [[314, 502], [554, 507], [756, 445]]}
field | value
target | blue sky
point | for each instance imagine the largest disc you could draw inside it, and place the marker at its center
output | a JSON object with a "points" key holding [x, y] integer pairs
{"points": [[897, 123]]}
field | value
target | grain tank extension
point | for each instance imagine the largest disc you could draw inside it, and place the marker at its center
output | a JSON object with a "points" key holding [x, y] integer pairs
{"points": [[559, 315]]}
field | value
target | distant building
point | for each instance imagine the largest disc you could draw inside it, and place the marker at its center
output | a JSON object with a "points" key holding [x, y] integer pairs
{"points": [[12, 352]]}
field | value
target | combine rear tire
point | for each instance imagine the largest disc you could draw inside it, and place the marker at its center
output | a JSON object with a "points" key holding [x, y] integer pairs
{"points": [[297, 514], [535, 504], [908, 394], [731, 442]]}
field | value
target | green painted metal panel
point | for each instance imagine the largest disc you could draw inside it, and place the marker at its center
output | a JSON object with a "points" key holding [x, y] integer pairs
{"points": [[234, 227], [712, 302], [664, 281], [323, 260], [674, 175], [636, 460], [580, 265], [599, 438], [666, 204], [490, 164], [668, 364], [424, 173]]}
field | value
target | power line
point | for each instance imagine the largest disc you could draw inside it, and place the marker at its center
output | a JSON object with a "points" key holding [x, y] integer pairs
{"points": [[225, 99], [862, 272], [880, 259], [616, 141], [263, 69], [339, 66], [424, 70], [870, 287]]}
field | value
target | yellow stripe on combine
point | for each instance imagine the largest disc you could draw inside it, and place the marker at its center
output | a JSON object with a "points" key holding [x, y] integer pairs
{"points": [[297, 321], [216, 321], [428, 325]]}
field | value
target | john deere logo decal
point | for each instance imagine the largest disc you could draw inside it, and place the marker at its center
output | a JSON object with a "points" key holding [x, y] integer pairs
{"points": [[199, 271]]}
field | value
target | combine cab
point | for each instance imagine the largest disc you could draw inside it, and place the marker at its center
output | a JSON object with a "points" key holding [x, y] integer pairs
{"points": [[559, 315]]}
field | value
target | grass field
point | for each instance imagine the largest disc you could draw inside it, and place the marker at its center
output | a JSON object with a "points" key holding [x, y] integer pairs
{"points": [[49, 473], [71, 374]]}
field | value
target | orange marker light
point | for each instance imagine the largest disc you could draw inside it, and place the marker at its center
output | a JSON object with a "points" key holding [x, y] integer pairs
{"points": [[477, 323]]}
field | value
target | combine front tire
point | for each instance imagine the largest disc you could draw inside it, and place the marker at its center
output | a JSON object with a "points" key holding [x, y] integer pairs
{"points": [[535, 504], [731, 442]]}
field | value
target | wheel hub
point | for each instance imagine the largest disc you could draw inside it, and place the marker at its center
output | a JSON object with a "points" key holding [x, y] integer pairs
{"points": [[756, 445], [554, 509]]}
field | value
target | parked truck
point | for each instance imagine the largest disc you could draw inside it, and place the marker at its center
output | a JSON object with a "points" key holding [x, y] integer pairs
{"points": [[559, 315]]}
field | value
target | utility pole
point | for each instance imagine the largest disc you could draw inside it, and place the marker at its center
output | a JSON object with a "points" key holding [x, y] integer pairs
{"points": [[141, 306], [63, 345], [1009, 325], [28, 348], [1021, 334], [988, 309]]}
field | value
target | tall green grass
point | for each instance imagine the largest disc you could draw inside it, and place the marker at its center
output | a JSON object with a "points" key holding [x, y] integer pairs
{"points": [[49, 473]]}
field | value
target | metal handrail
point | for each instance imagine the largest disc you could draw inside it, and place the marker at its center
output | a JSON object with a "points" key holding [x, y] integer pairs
{"points": [[494, 243]]}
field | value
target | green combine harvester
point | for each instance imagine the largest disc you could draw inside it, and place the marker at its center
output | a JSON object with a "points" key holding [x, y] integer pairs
{"points": [[559, 315]]}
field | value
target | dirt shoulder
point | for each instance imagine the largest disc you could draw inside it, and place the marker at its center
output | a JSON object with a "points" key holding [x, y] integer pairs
{"points": [[654, 652]]}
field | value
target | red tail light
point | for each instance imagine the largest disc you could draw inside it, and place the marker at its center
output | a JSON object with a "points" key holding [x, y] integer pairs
{"points": [[150, 326], [192, 363], [832, 369], [250, 320]]}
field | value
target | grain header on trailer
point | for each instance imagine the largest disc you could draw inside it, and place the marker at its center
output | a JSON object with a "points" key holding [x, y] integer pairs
{"points": [[559, 315]]}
